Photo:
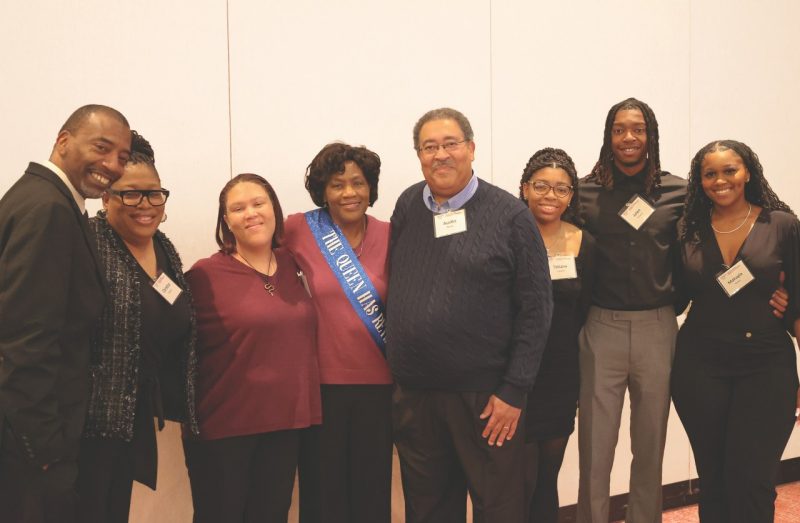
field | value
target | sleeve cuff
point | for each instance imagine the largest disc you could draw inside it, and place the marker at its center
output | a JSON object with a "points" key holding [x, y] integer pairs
{"points": [[511, 394]]}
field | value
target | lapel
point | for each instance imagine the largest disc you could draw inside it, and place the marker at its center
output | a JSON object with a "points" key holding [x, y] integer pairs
{"points": [[43, 172]]}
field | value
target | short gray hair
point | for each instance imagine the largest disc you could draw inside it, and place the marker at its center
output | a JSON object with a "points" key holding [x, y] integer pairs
{"points": [[443, 113]]}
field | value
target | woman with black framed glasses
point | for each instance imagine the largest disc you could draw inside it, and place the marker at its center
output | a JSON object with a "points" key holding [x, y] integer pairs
{"points": [[549, 184], [143, 352]]}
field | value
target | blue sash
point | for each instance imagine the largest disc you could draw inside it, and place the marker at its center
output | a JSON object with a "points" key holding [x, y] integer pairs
{"points": [[358, 288]]}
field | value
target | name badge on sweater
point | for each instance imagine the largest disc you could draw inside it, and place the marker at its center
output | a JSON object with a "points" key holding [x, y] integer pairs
{"points": [[562, 267], [636, 211], [735, 279], [450, 223], [167, 288]]}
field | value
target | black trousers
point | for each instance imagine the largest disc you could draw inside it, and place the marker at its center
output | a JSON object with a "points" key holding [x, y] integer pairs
{"points": [[443, 456], [108, 468], [346, 463], [29, 494], [243, 479], [737, 406], [105, 481]]}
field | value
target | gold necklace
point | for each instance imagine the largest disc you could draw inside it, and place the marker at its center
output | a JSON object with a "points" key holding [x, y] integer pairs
{"points": [[270, 288], [749, 210], [363, 237]]}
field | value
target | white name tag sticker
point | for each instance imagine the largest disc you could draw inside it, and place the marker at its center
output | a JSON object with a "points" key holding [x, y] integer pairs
{"points": [[167, 288], [562, 267], [735, 279], [636, 211], [449, 223]]}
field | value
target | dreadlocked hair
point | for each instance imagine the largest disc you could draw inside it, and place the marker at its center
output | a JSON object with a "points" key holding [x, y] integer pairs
{"points": [[557, 159], [603, 173], [697, 210]]}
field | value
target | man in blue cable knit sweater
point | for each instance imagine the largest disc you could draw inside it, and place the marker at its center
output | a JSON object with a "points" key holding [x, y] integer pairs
{"points": [[467, 318]]}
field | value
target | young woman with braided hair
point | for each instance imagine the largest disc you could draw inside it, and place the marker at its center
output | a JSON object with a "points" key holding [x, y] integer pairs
{"points": [[548, 185], [734, 380]]}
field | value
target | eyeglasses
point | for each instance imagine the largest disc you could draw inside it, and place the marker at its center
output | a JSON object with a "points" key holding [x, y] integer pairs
{"points": [[542, 188], [133, 197], [449, 147]]}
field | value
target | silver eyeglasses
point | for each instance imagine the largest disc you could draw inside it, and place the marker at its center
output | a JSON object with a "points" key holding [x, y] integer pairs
{"points": [[448, 146]]}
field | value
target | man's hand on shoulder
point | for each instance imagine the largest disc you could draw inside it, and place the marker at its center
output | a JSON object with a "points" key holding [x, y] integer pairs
{"points": [[503, 419]]}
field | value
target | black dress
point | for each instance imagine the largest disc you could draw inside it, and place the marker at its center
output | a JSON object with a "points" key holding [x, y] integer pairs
{"points": [[553, 400], [734, 379]]}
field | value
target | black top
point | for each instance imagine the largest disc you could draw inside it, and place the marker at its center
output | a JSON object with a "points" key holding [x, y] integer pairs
{"points": [[634, 267], [554, 398], [165, 328], [117, 345], [470, 311], [772, 246]]}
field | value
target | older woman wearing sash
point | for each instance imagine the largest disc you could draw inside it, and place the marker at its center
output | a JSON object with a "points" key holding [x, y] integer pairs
{"points": [[346, 463]]}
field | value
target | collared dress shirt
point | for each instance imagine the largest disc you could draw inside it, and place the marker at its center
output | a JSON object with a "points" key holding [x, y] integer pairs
{"points": [[454, 203], [634, 267]]}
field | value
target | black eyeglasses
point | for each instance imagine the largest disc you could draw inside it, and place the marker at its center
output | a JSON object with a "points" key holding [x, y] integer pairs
{"points": [[541, 188], [133, 197]]}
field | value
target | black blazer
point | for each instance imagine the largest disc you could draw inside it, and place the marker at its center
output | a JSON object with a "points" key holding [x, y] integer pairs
{"points": [[51, 295]]}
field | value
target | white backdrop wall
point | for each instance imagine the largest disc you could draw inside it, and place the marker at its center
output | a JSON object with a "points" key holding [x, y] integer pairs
{"points": [[226, 87]]}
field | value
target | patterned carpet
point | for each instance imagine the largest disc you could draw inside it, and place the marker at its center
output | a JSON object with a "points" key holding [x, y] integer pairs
{"points": [[787, 507]]}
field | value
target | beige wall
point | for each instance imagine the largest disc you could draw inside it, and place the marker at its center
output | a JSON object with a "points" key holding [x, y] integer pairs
{"points": [[224, 87]]}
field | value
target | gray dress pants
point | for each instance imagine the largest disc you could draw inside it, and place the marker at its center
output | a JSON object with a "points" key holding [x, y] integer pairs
{"points": [[619, 351]]}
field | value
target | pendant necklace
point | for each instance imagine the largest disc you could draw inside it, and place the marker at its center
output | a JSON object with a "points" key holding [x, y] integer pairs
{"points": [[749, 210], [559, 244], [363, 238], [268, 286]]}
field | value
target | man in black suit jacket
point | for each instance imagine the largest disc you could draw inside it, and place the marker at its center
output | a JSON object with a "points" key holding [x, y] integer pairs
{"points": [[51, 295]]}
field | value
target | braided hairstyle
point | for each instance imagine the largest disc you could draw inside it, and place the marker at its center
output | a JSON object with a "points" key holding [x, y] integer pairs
{"points": [[603, 173], [697, 210], [557, 159], [142, 152]]}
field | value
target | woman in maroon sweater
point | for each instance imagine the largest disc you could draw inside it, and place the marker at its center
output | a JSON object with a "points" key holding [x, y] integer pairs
{"points": [[346, 463], [258, 378]]}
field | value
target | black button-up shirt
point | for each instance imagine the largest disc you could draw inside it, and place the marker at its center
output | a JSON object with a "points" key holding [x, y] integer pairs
{"points": [[634, 267]]}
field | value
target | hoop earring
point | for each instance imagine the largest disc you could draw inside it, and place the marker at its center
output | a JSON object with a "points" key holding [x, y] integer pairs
{"points": [[164, 218]]}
